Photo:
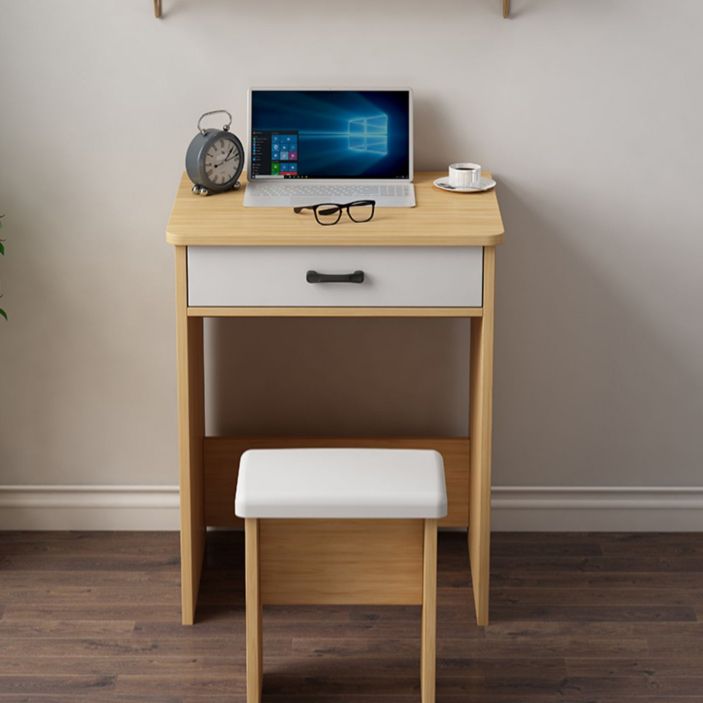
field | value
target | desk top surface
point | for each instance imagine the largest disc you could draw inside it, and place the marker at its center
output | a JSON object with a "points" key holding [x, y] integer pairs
{"points": [[439, 219]]}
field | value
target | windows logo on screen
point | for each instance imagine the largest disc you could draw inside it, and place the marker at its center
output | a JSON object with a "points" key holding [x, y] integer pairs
{"points": [[369, 135]]}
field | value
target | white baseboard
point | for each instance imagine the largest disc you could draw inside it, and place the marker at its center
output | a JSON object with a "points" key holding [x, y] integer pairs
{"points": [[597, 509], [515, 508], [89, 508]]}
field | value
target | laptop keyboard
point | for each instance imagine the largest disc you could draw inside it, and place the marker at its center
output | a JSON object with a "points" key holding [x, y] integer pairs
{"points": [[330, 191]]}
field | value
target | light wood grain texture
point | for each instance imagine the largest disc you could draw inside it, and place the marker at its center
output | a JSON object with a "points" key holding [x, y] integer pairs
{"points": [[481, 427], [429, 613], [506, 8], [254, 635], [191, 430], [334, 312], [157, 8], [440, 219], [376, 562], [221, 466]]}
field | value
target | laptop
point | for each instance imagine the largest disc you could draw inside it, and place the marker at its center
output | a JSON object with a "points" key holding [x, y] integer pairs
{"points": [[314, 146]]}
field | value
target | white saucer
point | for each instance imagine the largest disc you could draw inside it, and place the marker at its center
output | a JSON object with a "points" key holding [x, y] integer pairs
{"points": [[486, 184]]}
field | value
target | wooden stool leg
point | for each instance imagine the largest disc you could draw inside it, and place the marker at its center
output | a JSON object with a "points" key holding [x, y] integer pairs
{"points": [[253, 611], [429, 613]]}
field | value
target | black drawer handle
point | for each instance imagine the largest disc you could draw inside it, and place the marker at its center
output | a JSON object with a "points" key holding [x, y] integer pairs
{"points": [[315, 277]]}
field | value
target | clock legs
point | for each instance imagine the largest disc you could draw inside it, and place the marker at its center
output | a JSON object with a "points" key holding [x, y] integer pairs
{"points": [[202, 190]]}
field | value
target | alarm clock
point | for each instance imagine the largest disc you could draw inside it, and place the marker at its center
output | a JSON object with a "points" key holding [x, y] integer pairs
{"points": [[215, 158]]}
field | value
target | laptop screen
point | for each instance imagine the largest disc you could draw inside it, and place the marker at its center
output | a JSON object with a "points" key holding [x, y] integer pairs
{"points": [[330, 134]]}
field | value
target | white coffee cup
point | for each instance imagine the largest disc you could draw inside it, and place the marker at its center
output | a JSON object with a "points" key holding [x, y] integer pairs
{"points": [[465, 175]]}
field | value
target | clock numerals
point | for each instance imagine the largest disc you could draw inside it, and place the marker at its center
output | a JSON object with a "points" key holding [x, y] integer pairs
{"points": [[222, 161]]}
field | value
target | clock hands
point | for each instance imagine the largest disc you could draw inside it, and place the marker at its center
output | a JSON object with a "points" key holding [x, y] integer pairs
{"points": [[229, 157], [226, 157]]}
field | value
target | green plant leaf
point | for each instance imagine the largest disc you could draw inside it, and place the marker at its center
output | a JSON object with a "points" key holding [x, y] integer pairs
{"points": [[2, 249], [3, 313]]}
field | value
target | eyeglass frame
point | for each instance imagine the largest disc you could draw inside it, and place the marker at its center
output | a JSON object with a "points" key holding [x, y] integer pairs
{"points": [[340, 207]]}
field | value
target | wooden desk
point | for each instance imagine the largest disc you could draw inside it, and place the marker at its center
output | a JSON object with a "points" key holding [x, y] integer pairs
{"points": [[452, 228]]}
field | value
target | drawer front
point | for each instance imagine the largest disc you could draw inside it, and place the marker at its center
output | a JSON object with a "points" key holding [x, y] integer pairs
{"points": [[277, 276]]}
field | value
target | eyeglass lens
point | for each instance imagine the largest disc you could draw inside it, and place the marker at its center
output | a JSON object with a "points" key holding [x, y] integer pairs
{"points": [[361, 211], [328, 214]]}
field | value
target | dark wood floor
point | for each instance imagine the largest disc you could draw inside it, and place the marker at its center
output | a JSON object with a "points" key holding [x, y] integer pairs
{"points": [[575, 617]]}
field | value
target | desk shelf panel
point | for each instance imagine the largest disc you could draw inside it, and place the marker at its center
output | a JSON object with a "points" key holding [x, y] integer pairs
{"points": [[221, 466]]}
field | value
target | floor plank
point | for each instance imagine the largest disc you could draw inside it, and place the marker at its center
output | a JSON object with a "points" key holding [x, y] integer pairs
{"points": [[576, 618]]}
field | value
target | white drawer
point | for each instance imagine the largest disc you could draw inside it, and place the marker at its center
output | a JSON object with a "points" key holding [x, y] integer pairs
{"points": [[277, 276]]}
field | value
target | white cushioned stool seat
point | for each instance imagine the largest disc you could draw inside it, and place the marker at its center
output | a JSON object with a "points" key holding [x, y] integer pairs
{"points": [[341, 483]]}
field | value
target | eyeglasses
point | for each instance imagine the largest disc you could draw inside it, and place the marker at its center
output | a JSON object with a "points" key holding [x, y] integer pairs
{"points": [[331, 213]]}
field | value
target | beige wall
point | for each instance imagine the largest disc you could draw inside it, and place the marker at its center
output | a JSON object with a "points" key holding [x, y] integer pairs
{"points": [[589, 113]]}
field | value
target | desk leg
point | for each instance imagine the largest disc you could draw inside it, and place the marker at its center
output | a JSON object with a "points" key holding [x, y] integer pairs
{"points": [[480, 431], [191, 430]]}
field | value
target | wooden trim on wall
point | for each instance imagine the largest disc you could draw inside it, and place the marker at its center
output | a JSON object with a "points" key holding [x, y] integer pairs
{"points": [[514, 508]]}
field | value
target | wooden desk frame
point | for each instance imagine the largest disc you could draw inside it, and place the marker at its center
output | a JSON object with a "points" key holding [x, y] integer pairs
{"points": [[208, 465], [198, 453]]}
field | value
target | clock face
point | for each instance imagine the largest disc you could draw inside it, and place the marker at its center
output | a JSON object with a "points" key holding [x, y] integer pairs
{"points": [[222, 161]]}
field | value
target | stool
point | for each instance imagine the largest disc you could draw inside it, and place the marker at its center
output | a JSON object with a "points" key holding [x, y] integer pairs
{"points": [[342, 527]]}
